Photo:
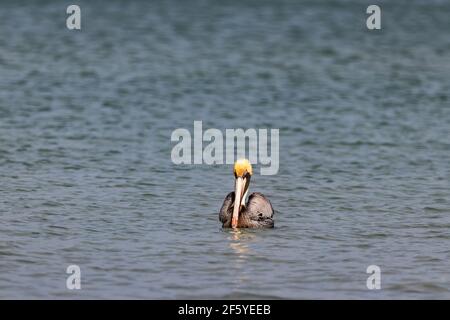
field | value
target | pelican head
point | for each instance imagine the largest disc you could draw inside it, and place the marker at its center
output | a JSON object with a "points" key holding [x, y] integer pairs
{"points": [[242, 173]]}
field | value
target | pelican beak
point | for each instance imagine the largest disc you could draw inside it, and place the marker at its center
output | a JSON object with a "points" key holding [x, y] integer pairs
{"points": [[239, 193]]}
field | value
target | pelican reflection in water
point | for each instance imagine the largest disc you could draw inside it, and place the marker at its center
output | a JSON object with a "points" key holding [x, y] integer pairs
{"points": [[257, 212]]}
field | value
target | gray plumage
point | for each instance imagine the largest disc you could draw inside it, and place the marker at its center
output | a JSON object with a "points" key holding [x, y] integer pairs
{"points": [[258, 212]]}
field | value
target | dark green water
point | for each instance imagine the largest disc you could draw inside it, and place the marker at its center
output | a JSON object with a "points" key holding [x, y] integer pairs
{"points": [[86, 176]]}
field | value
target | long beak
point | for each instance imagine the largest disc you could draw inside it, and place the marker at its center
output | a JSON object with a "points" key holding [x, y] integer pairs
{"points": [[239, 192]]}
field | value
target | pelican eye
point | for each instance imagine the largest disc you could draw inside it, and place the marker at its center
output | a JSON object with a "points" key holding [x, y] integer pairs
{"points": [[245, 175]]}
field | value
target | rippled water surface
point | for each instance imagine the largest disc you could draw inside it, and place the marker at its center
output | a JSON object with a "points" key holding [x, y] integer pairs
{"points": [[86, 176]]}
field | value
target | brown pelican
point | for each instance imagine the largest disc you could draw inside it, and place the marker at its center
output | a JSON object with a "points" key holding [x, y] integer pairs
{"points": [[256, 213]]}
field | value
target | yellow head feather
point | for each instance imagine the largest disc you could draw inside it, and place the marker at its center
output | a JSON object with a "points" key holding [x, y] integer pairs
{"points": [[242, 166]]}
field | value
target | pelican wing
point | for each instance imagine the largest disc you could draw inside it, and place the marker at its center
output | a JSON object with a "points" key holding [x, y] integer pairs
{"points": [[259, 210], [227, 210]]}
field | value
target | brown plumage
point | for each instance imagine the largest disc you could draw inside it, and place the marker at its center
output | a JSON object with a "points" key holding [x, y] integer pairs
{"points": [[258, 212]]}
